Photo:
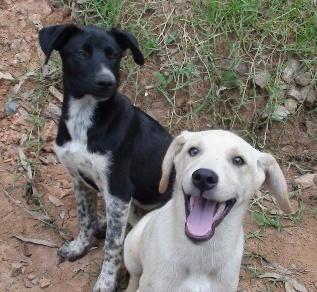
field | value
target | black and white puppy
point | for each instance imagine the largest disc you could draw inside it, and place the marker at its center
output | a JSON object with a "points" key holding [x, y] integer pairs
{"points": [[107, 144]]}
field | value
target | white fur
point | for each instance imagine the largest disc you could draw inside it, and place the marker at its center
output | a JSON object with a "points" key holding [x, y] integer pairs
{"points": [[74, 154], [157, 252]]}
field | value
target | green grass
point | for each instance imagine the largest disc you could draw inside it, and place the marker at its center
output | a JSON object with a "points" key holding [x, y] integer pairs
{"points": [[185, 47]]}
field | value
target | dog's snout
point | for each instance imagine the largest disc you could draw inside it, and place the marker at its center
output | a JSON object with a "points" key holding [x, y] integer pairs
{"points": [[204, 179], [105, 81]]}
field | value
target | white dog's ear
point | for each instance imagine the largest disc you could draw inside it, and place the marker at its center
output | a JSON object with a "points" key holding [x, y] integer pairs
{"points": [[275, 180], [175, 147]]}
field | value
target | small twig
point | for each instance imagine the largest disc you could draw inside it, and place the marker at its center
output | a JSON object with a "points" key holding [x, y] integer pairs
{"points": [[36, 241]]}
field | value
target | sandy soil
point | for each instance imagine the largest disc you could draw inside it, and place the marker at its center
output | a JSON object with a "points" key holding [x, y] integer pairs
{"points": [[25, 266]]}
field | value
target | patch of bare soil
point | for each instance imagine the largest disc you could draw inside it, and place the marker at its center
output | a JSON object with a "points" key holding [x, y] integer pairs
{"points": [[28, 266]]}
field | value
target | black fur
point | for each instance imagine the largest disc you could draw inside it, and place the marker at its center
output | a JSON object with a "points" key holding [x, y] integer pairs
{"points": [[136, 142]]}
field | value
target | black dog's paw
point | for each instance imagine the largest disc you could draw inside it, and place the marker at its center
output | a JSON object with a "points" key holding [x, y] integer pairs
{"points": [[72, 251], [100, 232]]}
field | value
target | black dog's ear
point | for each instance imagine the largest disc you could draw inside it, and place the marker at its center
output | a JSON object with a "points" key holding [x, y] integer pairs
{"points": [[127, 41], [54, 37]]}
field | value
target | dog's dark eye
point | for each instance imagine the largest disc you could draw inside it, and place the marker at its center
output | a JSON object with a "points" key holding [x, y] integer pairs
{"points": [[83, 53], [111, 54], [193, 151], [238, 161]]}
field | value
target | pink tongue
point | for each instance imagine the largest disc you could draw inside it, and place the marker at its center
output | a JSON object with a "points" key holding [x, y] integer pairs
{"points": [[201, 216]]}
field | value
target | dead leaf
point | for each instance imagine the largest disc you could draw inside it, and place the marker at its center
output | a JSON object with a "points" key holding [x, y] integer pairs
{"points": [[292, 285], [6, 76], [271, 275], [25, 164], [17, 87], [55, 201], [40, 216], [55, 92], [36, 241]]}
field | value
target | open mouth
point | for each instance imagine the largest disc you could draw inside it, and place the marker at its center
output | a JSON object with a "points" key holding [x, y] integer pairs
{"points": [[203, 216]]}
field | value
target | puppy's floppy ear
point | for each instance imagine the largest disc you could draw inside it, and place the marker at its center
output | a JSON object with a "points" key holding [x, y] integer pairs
{"points": [[54, 37], [127, 41], [275, 180], [168, 161]]}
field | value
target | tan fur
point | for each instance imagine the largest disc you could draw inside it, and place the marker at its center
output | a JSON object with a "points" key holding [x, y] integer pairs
{"points": [[167, 165], [275, 181], [158, 254]]}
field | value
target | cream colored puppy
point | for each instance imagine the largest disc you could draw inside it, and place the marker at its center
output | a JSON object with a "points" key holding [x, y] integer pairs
{"points": [[195, 242]]}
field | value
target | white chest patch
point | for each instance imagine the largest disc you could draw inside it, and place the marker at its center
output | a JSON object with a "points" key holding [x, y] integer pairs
{"points": [[80, 114], [74, 154]]}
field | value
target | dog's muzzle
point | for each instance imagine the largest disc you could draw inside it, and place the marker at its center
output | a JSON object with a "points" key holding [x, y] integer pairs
{"points": [[204, 215]]}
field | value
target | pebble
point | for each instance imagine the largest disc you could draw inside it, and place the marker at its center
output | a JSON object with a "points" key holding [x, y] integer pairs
{"points": [[295, 93], [27, 283], [10, 107], [52, 111], [35, 281], [290, 105], [308, 95], [31, 277], [280, 113], [262, 78], [305, 181], [303, 79], [290, 69], [44, 283]]}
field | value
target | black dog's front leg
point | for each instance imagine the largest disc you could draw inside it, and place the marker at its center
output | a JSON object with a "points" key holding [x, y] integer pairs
{"points": [[86, 199], [117, 216]]}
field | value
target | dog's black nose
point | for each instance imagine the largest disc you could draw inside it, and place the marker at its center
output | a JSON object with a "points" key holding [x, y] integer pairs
{"points": [[204, 179], [105, 81]]}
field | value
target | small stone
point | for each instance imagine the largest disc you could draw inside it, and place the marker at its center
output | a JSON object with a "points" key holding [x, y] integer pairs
{"points": [[72, 213], [303, 79], [51, 159], [27, 283], [62, 215], [57, 3], [55, 201], [305, 181], [262, 78], [242, 68], [294, 92], [52, 111], [308, 95], [290, 69], [16, 269], [44, 283], [10, 107], [280, 113], [290, 105], [35, 281], [6, 76], [31, 277]]}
